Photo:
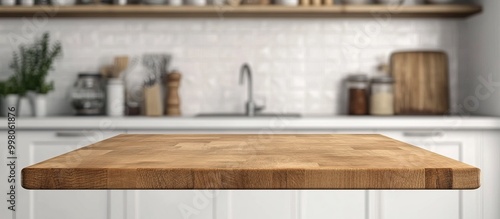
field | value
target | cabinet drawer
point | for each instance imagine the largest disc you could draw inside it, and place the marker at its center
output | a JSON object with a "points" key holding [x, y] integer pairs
{"points": [[36, 146]]}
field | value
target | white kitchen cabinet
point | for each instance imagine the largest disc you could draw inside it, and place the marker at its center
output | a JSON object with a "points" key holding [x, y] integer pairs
{"points": [[290, 204], [327, 204], [345, 204], [202, 204], [172, 204], [438, 204], [249, 204], [490, 175], [36, 146], [241, 204]]}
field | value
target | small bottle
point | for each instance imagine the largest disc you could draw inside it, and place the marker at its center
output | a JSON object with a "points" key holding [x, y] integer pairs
{"points": [[358, 94], [382, 96], [115, 102]]}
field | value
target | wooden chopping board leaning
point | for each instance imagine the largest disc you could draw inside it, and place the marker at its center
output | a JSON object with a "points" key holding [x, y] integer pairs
{"points": [[421, 83]]}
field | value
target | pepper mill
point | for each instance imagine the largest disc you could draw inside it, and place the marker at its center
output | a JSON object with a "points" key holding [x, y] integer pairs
{"points": [[173, 100]]}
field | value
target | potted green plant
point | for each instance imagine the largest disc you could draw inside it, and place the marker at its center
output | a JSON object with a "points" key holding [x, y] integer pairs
{"points": [[31, 65], [40, 100], [10, 91]]}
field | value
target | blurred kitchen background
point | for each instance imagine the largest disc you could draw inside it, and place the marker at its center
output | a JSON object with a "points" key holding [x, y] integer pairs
{"points": [[298, 65], [425, 73]]}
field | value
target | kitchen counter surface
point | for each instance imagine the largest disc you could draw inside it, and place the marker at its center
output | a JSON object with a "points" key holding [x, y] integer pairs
{"points": [[265, 124], [250, 162]]}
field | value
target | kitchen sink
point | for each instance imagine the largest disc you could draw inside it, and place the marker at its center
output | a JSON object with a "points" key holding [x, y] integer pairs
{"points": [[244, 115], [251, 108]]}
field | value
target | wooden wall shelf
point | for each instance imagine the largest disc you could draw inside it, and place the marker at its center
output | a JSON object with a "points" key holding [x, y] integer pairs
{"points": [[422, 11]]}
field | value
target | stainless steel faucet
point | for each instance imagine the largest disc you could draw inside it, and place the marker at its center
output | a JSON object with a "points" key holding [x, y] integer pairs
{"points": [[250, 108]]}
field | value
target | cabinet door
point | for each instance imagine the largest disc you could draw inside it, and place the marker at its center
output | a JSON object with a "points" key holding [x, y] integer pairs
{"points": [[36, 146], [436, 204], [241, 204], [345, 204], [327, 204], [172, 204]]}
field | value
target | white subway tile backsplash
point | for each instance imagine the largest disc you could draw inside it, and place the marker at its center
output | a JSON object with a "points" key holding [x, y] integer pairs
{"points": [[315, 53], [332, 26], [298, 64], [157, 38], [430, 39], [332, 39], [297, 54]]}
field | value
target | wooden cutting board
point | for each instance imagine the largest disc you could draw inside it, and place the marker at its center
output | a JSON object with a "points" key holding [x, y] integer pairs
{"points": [[250, 162], [421, 83], [153, 102]]}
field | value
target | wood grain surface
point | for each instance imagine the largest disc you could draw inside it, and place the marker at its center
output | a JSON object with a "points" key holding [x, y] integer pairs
{"points": [[250, 162], [421, 83]]}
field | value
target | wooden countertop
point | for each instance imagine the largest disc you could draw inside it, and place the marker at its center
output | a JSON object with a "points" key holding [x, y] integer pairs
{"points": [[250, 162]]}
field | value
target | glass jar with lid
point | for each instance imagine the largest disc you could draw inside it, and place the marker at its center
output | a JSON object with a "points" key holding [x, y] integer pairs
{"points": [[358, 94], [88, 95], [382, 96]]}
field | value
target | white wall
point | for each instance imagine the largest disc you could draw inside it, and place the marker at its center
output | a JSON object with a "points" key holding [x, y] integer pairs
{"points": [[298, 63], [480, 59]]}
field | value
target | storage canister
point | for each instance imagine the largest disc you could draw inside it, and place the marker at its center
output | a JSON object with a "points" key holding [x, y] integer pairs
{"points": [[87, 95], [382, 96], [115, 104], [358, 94]]}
